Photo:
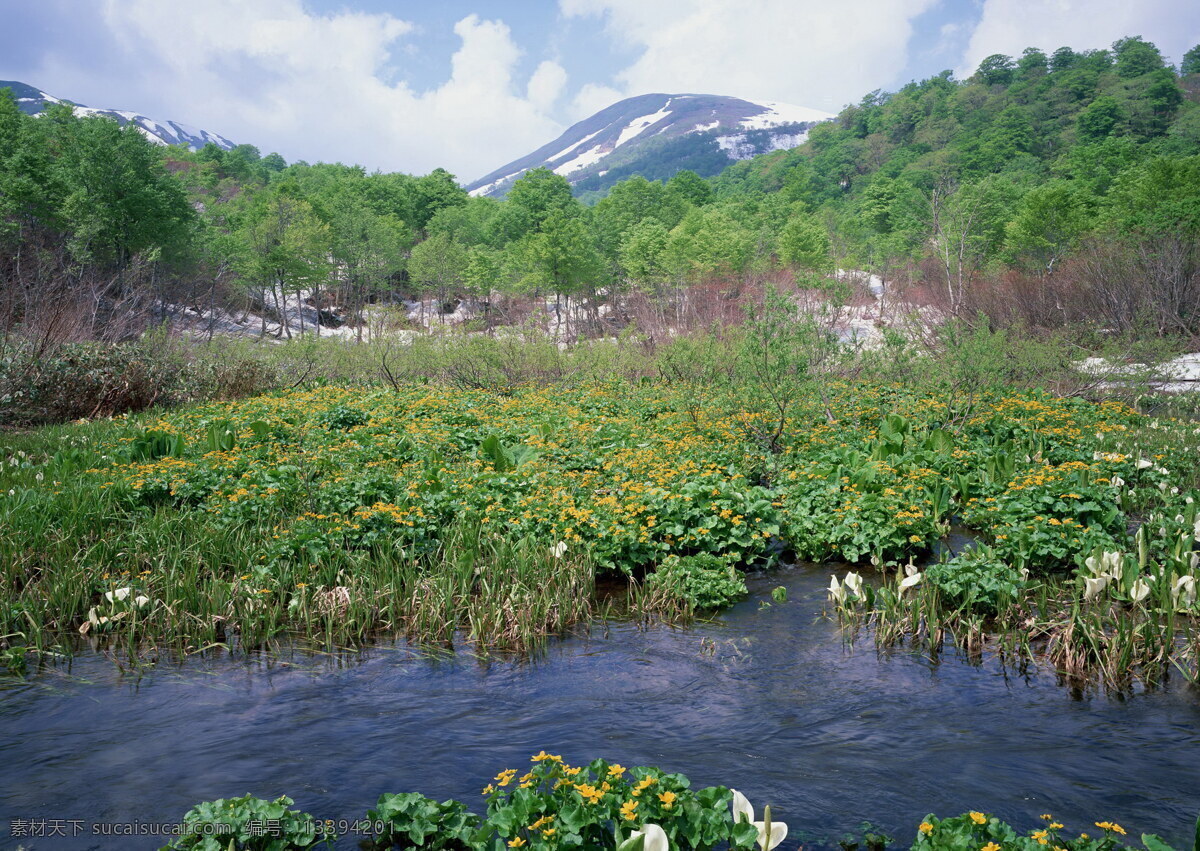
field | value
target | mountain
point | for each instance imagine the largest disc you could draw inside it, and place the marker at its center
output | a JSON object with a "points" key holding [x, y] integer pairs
{"points": [[655, 136], [32, 101]]}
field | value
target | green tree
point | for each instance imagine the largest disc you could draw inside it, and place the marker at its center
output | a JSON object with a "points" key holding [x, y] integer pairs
{"points": [[274, 163], [1032, 65], [1102, 118], [283, 252], [438, 265], [804, 246], [1062, 59], [432, 193], [369, 249], [632, 202], [690, 188], [482, 275], [996, 70], [535, 196], [708, 243], [1191, 61], [643, 254], [1049, 222], [1136, 56], [561, 257]]}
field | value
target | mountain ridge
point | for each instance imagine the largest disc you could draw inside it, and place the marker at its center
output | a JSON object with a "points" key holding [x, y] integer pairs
{"points": [[713, 130], [33, 101]]}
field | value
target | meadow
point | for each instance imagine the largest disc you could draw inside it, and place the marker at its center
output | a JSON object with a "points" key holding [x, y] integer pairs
{"points": [[485, 516]]}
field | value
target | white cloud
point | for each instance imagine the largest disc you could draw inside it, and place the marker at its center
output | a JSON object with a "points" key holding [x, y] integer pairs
{"points": [[313, 87], [545, 85], [805, 52], [592, 98], [1009, 26]]}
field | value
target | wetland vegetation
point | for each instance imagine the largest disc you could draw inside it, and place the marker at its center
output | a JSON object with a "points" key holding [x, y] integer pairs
{"points": [[655, 403]]}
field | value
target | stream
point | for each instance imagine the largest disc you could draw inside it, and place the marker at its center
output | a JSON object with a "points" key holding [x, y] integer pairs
{"points": [[766, 698]]}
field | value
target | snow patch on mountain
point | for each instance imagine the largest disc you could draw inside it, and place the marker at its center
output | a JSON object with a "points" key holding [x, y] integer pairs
{"points": [[740, 147], [657, 134], [782, 113], [636, 127], [588, 157], [33, 101]]}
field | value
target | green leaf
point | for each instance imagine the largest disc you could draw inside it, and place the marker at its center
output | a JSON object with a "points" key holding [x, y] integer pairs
{"points": [[1155, 843]]}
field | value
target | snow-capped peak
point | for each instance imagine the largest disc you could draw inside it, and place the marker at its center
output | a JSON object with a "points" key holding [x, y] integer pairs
{"points": [[33, 101], [655, 135]]}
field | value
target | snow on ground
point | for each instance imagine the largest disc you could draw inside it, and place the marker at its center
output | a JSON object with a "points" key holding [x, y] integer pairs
{"points": [[576, 145], [1181, 375], [587, 158], [782, 113], [739, 149], [488, 187], [634, 128]]}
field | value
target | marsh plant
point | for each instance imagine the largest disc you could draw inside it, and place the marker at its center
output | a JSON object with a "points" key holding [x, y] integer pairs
{"points": [[598, 807], [458, 515]]}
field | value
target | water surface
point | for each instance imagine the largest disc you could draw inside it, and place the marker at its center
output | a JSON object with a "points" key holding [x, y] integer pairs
{"points": [[767, 699]]}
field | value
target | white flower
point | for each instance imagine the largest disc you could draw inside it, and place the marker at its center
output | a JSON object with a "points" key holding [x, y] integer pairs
{"points": [[854, 583], [1143, 464], [836, 592], [1108, 564], [1139, 591], [559, 549], [1093, 587], [912, 578], [1183, 594], [742, 811], [1196, 528], [1117, 482], [118, 595], [654, 838]]}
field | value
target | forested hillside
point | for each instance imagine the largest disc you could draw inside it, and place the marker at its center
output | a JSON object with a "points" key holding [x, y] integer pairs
{"points": [[1047, 189], [1084, 159]]}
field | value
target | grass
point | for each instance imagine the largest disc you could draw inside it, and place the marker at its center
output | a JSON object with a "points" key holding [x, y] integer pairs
{"points": [[480, 498]]}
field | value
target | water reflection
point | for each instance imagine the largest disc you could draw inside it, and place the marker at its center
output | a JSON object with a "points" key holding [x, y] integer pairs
{"points": [[767, 699]]}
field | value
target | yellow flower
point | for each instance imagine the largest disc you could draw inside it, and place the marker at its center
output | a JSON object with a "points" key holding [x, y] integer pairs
{"points": [[1109, 825], [978, 818], [516, 843], [616, 770], [629, 810], [489, 789], [991, 846], [926, 828], [668, 799], [590, 794]]}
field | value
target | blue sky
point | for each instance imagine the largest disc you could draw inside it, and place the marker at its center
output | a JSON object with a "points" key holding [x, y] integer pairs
{"points": [[410, 85]]}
